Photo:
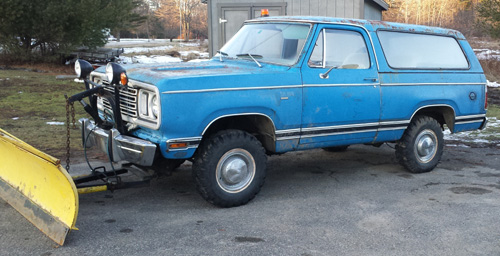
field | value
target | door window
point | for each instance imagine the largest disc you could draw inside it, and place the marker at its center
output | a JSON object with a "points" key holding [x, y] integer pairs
{"points": [[341, 49]]}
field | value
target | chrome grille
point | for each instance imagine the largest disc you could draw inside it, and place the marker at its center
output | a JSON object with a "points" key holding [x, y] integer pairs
{"points": [[128, 100]]}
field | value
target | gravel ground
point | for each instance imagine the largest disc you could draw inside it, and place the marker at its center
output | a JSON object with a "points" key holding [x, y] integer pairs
{"points": [[359, 202]]}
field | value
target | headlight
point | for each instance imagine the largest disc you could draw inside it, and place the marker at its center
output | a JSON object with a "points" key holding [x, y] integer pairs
{"points": [[116, 74], [109, 72], [83, 69], [154, 106], [149, 107]]}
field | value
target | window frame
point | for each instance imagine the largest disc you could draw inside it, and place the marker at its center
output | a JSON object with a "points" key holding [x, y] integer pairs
{"points": [[301, 54], [422, 33], [322, 32]]}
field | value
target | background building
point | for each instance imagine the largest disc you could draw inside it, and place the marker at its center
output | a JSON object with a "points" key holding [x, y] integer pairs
{"points": [[225, 17]]}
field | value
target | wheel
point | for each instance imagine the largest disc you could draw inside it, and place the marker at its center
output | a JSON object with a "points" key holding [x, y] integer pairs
{"points": [[336, 149], [230, 168], [421, 146]]}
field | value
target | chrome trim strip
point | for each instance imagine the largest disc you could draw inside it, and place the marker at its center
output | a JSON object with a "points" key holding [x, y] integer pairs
{"points": [[339, 127], [395, 122], [129, 149], [190, 139], [336, 133], [287, 131], [338, 85], [392, 128], [239, 114], [234, 89], [469, 122], [418, 84], [288, 138], [470, 116], [429, 106]]}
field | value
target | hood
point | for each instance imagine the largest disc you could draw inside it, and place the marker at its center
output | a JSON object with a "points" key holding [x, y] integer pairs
{"points": [[199, 75]]}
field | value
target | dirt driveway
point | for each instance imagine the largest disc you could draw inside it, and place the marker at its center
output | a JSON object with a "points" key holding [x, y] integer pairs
{"points": [[360, 202]]}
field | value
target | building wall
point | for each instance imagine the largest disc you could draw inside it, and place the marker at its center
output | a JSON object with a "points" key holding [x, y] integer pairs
{"points": [[372, 11], [356, 9], [330, 8]]}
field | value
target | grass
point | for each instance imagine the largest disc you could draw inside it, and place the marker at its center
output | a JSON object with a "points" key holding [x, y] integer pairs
{"points": [[493, 130], [28, 100]]}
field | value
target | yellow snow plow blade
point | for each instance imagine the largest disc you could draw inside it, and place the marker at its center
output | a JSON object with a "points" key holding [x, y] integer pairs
{"points": [[37, 186]]}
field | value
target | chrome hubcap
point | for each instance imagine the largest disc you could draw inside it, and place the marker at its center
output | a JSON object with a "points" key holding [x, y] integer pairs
{"points": [[426, 146], [235, 170]]}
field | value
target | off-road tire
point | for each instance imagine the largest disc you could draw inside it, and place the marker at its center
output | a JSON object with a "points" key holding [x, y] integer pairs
{"points": [[336, 149], [219, 157], [421, 147]]}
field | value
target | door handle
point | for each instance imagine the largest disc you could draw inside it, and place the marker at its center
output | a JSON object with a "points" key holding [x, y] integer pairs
{"points": [[222, 21], [371, 79]]}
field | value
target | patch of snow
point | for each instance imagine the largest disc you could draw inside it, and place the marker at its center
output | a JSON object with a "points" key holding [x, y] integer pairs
{"points": [[15, 118], [492, 84], [55, 123], [199, 60], [480, 141], [190, 44], [459, 145], [147, 49], [155, 59], [474, 136], [487, 54]]}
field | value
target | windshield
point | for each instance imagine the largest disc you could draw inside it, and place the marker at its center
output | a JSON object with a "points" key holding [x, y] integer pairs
{"points": [[275, 43]]}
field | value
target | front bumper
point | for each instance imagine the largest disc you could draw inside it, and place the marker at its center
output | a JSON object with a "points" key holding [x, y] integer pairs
{"points": [[118, 147]]}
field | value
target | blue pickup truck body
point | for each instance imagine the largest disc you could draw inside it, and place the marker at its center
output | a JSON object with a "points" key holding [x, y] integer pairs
{"points": [[302, 105]]}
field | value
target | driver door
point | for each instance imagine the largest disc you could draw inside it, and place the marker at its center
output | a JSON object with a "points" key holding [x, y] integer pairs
{"points": [[341, 106]]}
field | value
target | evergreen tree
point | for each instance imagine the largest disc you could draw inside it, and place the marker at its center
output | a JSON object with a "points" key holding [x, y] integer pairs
{"points": [[489, 13], [30, 28]]}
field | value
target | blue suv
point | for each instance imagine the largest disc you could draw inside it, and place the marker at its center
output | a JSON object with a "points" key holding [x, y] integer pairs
{"points": [[285, 84]]}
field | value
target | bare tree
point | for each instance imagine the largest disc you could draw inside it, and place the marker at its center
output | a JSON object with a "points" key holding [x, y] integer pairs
{"points": [[199, 27], [425, 12], [168, 13], [186, 13]]}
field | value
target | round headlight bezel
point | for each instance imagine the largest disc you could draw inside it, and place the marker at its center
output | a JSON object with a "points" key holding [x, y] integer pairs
{"points": [[114, 73], [83, 68], [78, 69]]}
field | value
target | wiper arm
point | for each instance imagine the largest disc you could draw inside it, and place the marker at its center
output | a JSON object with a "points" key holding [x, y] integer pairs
{"points": [[251, 56], [221, 54]]}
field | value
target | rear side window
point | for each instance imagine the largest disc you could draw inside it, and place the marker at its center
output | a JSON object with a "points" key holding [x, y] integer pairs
{"points": [[422, 51]]}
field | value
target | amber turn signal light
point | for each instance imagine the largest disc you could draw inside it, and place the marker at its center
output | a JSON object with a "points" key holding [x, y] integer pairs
{"points": [[178, 145], [123, 78]]}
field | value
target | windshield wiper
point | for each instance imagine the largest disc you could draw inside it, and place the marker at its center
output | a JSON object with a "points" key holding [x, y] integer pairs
{"points": [[221, 54], [251, 56]]}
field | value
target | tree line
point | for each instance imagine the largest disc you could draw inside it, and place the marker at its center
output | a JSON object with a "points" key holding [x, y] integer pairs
{"points": [[183, 19], [471, 17], [34, 30]]}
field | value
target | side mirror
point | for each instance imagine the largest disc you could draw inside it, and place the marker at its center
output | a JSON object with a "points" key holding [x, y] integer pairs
{"points": [[83, 68], [325, 75]]}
